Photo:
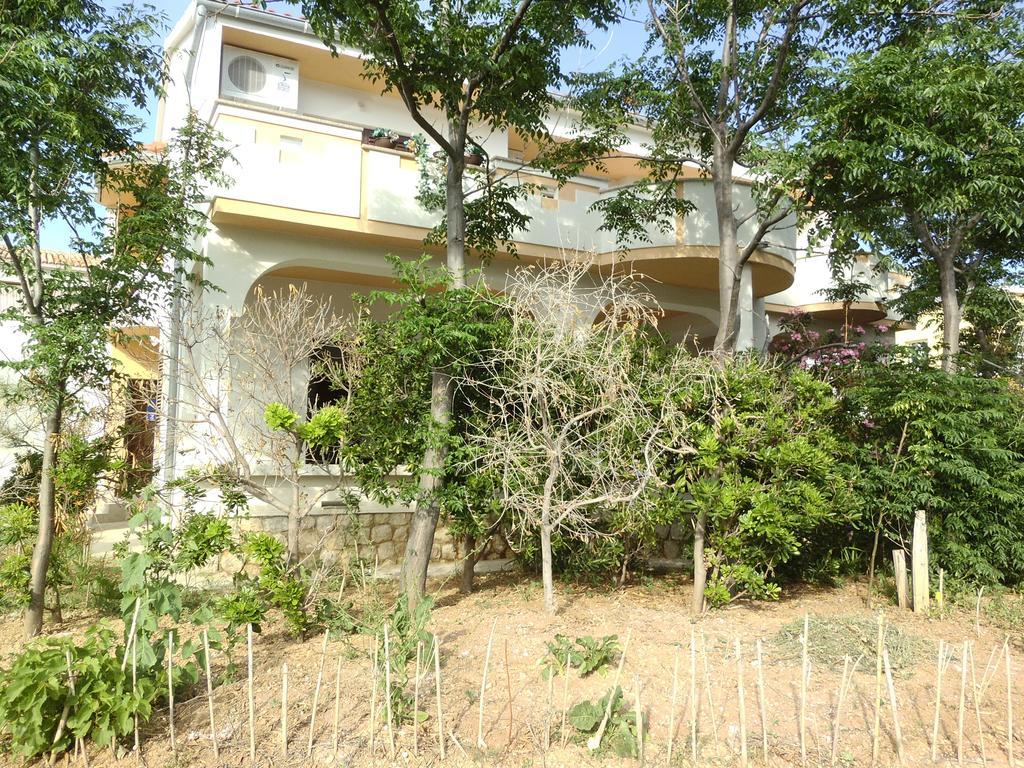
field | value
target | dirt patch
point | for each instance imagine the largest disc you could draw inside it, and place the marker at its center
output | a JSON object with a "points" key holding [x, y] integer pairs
{"points": [[518, 712]]}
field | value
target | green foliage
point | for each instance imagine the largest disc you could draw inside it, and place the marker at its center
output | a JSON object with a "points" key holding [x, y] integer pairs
{"points": [[406, 630], [952, 445], [767, 472], [622, 733], [324, 429], [585, 654], [35, 691]]}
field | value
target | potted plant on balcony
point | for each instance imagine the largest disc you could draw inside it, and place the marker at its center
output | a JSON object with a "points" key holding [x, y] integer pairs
{"points": [[383, 137], [474, 153]]}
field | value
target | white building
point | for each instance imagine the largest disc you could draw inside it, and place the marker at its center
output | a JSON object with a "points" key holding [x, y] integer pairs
{"points": [[313, 201]]}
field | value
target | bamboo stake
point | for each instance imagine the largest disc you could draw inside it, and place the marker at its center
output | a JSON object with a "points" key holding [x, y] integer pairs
{"points": [[551, 710], [672, 706], [803, 691], [209, 695], [252, 698], [639, 720], [594, 742], [899, 565], [707, 687], [761, 703], [942, 593], [878, 688], [66, 711], [1009, 703], [976, 697], [373, 701], [416, 702], [387, 693], [316, 694], [508, 686], [565, 696], [693, 694], [939, 669], [79, 744], [337, 705], [170, 690], [480, 743], [895, 710], [960, 712], [131, 632], [844, 690], [437, 684], [284, 709], [742, 704], [135, 716], [977, 614]]}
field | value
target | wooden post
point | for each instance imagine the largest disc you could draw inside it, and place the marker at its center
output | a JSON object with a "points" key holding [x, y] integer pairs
{"points": [[919, 563], [373, 701], [1009, 704], [879, 647], [387, 693], [135, 717], [895, 709], [942, 593], [803, 691], [939, 669], [415, 701], [961, 711], [481, 744], [594, 742], [639, 722], [899, 564], [761, 703], [337, 703], [742, 704], [693, 695], [284, 709], [672, 707], [209, 695], [437, 684], [316, 695], [252, 699], [565, 698], [170, 691]]}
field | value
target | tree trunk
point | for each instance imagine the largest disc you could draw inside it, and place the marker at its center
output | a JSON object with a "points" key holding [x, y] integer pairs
{"points": [[951, 314], [730, 271], [469, 557], [423, 524], [700, 567], [546, 565], [47, 509]]}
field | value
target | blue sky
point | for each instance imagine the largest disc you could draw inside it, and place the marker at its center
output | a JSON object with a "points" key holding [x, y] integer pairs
{"points": [[625, 39]]}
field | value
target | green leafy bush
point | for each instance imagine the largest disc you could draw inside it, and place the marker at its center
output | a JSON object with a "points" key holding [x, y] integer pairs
{"points": [[406, 630], [952, 445], [35, 691], [622, 734], [586, 654], [767, 472]]}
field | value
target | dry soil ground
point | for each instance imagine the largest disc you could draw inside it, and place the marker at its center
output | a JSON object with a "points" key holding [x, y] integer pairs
{"points": [[518, 713]]}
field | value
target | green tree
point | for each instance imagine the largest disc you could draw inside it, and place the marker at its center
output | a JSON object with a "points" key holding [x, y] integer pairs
{"points": [[722, 85], [462, 66], [72, 74], [917, 148]]}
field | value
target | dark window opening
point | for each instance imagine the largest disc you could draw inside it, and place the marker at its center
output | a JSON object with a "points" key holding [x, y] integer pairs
{"points": [[324, 369]]}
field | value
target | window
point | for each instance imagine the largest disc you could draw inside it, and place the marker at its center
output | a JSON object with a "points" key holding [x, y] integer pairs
{"points": [[324, 366]]}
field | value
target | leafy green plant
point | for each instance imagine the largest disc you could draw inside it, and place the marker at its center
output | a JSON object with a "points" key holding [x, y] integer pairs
{"points": [[406, 630], [621, 735], [585, 654], [35, 694]]}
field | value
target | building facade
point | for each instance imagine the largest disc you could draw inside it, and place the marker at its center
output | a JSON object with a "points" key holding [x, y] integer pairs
{"points": [[315, 200]]}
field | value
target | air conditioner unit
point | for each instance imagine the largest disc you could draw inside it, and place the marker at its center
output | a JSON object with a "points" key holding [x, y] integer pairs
{"points": [[259, 77]]}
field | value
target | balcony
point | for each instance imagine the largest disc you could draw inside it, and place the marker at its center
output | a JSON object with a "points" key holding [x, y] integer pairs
{"points": [[307, 176]]}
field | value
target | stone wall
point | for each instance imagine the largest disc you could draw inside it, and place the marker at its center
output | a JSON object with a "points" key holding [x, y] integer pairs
{"points": [[377, 535]]}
